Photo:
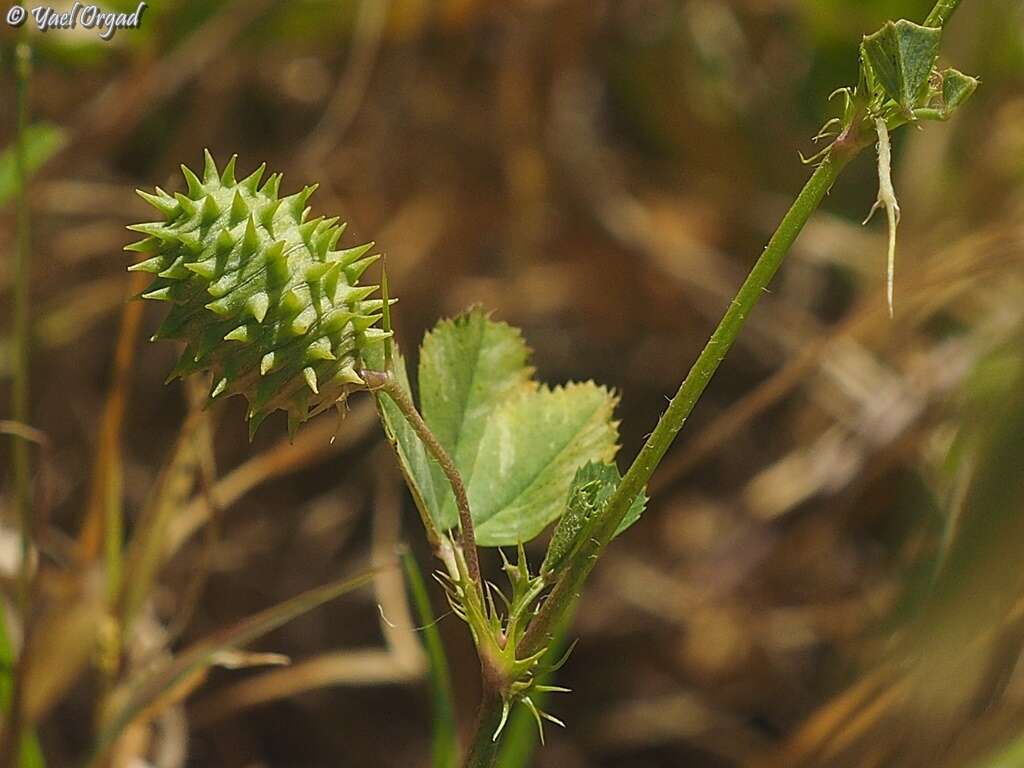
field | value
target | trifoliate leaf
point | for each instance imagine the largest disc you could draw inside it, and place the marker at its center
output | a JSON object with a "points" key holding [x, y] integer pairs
{"points": [[901, 56], [516, 445], [591, 489]]}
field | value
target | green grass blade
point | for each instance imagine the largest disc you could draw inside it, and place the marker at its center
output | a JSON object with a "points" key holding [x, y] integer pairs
{"points": [[30, 752], [445, 750]]}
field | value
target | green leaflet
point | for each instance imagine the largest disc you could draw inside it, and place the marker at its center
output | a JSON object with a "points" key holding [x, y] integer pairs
{"points": [[901, 55], [591, 488], [956, 89], [468, 365], [259, 293], [517, 445], [531, 449]]}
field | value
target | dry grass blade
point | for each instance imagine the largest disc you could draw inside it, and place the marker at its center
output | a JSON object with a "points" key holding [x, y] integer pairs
{"points": [[103, 513], [137, 696], [401, 661], [72, 315], [311, 444], [206, 472], [171, 492], [118, 107], [344, 105], [69, 620]]}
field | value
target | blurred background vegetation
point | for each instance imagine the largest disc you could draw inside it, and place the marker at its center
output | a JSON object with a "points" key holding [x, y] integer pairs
{"points": [[829, 571]]}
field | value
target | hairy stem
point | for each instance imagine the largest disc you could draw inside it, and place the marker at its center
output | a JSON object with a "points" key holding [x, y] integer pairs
{"points": [[941, 12], [385, 382], [483, 750], [567, 588], [578, 567]]}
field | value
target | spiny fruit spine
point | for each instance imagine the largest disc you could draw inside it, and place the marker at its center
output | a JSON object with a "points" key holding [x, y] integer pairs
{"points": [[258, 293]]}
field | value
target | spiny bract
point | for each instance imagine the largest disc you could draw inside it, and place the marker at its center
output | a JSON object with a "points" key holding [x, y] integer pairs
{"points": [[258, 293]]}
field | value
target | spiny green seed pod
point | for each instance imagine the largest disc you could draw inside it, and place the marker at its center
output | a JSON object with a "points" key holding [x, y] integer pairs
{"points": [[258, 293]]}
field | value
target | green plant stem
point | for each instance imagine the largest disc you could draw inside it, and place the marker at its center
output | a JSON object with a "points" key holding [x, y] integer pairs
{"points": [[941, 12], [384, 381], [671, 422], [483, 750], [567, 588], [19, 390]]}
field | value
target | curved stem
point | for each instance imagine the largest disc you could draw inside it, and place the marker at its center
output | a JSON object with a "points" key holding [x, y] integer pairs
{"points": [[385, 382]]}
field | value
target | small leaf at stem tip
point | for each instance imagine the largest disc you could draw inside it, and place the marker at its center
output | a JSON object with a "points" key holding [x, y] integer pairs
{"points": [[901, 56]]}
